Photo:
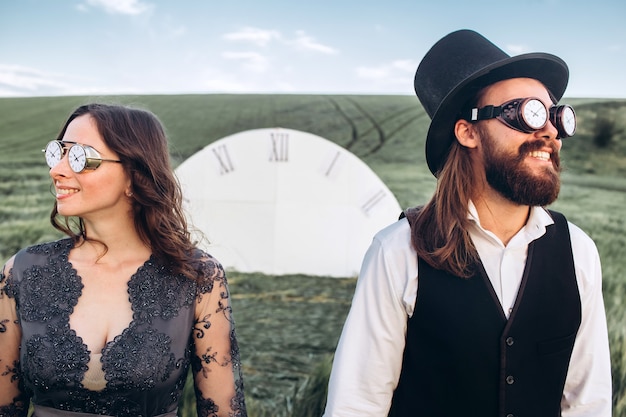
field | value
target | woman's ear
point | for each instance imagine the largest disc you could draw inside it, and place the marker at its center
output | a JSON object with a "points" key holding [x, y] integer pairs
{"points": [[129, 189], [466, 133]]}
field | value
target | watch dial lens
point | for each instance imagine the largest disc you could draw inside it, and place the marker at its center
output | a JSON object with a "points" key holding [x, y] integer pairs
{"points": [[54, 153], [535, 114], [568, 120], [77, 158]]}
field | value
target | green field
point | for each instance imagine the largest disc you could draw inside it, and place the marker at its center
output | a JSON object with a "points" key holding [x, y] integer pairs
{"points": [[288, 326]]}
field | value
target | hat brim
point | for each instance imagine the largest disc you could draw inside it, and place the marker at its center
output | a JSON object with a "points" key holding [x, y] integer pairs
{"points": [[549, 69]]}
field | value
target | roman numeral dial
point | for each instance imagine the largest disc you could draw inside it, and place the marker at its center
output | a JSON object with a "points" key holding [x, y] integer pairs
{"points": [[222, 158], [279, 147], [282, 201]]}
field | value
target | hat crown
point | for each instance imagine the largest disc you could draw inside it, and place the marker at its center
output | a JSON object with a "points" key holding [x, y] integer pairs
{"points": [[457, 67], [452, 60]]}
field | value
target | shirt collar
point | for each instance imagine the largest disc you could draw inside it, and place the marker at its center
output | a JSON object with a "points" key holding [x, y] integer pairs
{"points": [[534, 228]]}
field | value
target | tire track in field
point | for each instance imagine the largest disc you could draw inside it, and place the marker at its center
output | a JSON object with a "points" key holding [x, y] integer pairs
{"points": [[381, 133], [383, 136], [353, 129], [399, 128]]}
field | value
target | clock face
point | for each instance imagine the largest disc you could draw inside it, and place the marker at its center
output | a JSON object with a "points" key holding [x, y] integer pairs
{"points": [[568, 121], [284, 201], [535, 114], [77, 158], [54, 153]]}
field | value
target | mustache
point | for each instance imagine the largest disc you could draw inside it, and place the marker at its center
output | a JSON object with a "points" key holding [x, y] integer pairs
{"points": [[536, 145], [539, 144]]}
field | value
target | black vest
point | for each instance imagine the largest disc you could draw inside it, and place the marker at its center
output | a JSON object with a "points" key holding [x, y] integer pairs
{"points": [[464, 358]]}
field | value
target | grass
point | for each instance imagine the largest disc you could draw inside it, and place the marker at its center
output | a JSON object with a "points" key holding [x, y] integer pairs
{"points": [[288, 326]]}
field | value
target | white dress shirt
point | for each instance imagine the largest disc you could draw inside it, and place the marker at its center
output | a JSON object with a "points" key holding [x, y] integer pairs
{"points": [[368, 358]]}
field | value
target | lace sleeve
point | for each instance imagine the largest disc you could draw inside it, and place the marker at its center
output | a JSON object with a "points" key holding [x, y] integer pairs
{"points": [[13, 401], [216, 364]]}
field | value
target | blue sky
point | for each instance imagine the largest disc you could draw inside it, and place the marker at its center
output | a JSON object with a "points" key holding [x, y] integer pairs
{"points": [[94, 47]]}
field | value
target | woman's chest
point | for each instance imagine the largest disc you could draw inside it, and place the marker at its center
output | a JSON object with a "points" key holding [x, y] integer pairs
{"points": [[137, 333], [102, 311], [143, 356]]}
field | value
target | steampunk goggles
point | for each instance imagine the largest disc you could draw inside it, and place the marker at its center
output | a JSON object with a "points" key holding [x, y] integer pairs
{"points": [[529, 115], [81, 157]]}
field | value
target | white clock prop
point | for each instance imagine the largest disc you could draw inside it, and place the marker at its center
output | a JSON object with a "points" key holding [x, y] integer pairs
{"points": [[282, 201]]}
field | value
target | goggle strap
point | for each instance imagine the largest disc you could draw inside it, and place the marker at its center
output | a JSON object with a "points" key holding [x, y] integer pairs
{"points": [[485, 113]]}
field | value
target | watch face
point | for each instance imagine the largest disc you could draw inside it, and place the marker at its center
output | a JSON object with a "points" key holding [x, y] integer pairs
{"points": [[535, 114], [568, 121], [54, 153], [78, 158]]}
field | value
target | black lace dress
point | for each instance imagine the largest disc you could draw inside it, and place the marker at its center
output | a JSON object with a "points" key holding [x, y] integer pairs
{"points": [[176, 324]]}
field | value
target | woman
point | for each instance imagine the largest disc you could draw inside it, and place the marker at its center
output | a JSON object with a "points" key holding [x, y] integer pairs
{"points": [[108, 320]]}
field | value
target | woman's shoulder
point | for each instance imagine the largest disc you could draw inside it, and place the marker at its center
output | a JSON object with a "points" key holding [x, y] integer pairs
{"points": [[203, 255], [49, 248], [31, 256], [209, 270], [28, 254], [205, 259]]}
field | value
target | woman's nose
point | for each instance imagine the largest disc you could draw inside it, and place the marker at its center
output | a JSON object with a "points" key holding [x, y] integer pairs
{"points": [[62, 168]]}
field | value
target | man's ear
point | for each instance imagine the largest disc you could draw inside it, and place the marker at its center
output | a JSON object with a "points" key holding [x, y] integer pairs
{"points": [[466, 133]]}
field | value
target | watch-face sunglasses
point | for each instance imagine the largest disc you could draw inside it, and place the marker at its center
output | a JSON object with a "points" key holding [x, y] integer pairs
{"points": [[529, 115], [81, 157]]}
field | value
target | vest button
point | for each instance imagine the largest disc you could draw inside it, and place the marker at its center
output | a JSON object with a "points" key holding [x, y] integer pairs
{"points": [[510, 380], [510, 341]]}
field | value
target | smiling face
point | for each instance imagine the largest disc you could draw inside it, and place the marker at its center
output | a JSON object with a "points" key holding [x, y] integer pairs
{"points": [[90, 194], [522, 167]]}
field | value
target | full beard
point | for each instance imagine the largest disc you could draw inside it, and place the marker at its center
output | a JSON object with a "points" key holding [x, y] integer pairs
{"points": [[507, 175]]}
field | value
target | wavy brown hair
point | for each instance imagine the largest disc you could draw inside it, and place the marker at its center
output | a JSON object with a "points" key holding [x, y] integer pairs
{"points": [[138, 137], [439, 230]]}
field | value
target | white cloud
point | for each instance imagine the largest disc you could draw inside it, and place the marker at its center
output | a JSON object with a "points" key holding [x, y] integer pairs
{"points": [[20, 81], [252, 61], [517, 49], [128, 7], [306, 42], [372, 73], [263, 37], [224, 85], [259, 37], [23, 80], [171, 28], [398, 68], [407, 65], [388, 78], [176, 32]]}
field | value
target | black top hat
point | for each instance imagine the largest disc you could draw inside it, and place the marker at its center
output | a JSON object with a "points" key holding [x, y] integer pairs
{"points": [[457, 67]]}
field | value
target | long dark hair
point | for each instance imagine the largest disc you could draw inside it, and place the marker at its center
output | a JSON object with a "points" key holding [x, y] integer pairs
{"points": [[139, 138], [439, 231]]}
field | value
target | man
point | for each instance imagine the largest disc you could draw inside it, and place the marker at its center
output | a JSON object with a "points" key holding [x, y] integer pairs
{"points": [[482, 302]]}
